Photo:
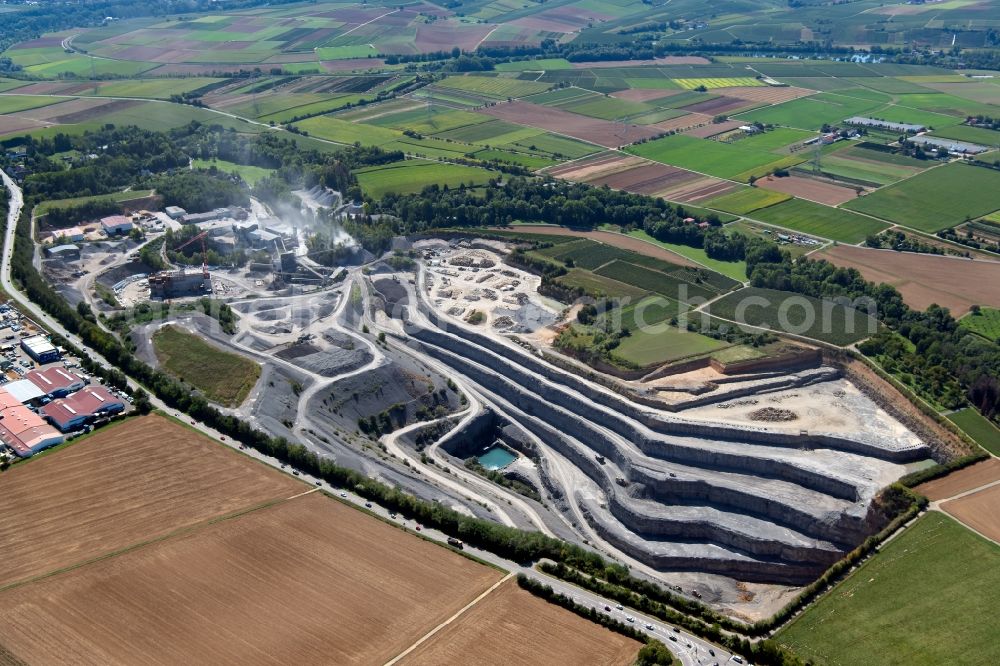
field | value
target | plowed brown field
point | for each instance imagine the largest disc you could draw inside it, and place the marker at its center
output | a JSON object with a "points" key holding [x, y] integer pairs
{"points": [[309, 581], [980, 511], [962, 481], [809, 188], [923, 279], [511, 626], [126, 484]]}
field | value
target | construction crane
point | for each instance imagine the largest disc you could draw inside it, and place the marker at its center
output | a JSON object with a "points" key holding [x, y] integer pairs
{"points": [[204, 252]]}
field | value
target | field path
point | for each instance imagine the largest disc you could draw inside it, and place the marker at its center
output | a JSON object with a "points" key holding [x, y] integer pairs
{"points": [[451, 619]]}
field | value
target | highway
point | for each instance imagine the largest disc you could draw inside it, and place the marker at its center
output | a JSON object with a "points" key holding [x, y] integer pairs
{"points": [[691, 650]]}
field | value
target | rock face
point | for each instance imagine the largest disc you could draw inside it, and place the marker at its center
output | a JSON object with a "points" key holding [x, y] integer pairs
{"points": [[739, 500]]}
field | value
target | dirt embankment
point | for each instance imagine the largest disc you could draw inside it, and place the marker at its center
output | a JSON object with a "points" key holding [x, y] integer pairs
{"points": [[944, 444]]}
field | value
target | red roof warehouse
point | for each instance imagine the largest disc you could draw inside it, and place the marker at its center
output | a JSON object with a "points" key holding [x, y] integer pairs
{"points": [[56, 382], [73, 412]]}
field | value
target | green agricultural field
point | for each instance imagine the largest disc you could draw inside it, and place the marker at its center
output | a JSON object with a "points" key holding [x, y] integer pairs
{"points": [[662, 343], [152, 88], [597, 285], [493, 86], [557, 146], [709, 157], [429, 120], [986, 323], [747, 199], [46, 206], [607, 108], [783, 311], [224, 377], [332, 103], [928, 598], [819, 220], [935, 199], [342, 131], [978, 427], [812, 112], [775, 139], [412, 176], [978, 135], [736, 270], [542, 64], [649, 279], [15, 103], [11, 84], [250, 174]]}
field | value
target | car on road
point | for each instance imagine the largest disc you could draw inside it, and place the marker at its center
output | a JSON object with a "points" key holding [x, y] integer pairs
{"points": [[368, 505], [629, 618], [607, 609], [393, 515], [650, 627], [343, 494], [318, 483], [736, 658], [295, 472], [673, 638], [619, 607], [676, 630], [711, 651], [418, 528]]}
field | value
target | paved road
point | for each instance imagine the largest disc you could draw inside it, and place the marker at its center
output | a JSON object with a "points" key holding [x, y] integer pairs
{"points": [[691, 650]]}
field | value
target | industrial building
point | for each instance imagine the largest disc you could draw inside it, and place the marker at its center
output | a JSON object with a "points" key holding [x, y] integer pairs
{"points": [[875, 123], [178, 284], [25, 432], [25, 391], [68, 251], [77, 410], [175, 212], [951, 145], [39, 348], [69, 235], [115, 225], [56, 382]]}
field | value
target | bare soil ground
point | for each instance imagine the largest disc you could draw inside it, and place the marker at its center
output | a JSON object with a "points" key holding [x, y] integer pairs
{"points": [[309, 581], [705, 187], [962, 481], [11, 124], [131, 482], [602, 132], [808, 188], [711, 129], [980, 511], [768, 94], [718, 105], [511, 626], [923, 279], [589, 169]]}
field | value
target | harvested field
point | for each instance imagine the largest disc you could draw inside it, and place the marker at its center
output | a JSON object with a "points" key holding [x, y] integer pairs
{"points": [[962, 481], [980, 511], [705, 187], [646, 178], [684, 122], [512, 626], [643, 94], [94, 111], [11, 124], [711, 129], [309, 581], [602, 132], [808, 188], [599, 165], [616, 240], [718, 105], [128, 483], [767, 94], [923, 279]]}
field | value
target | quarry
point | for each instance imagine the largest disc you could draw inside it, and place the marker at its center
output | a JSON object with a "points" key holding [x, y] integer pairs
{"points": [[436, 370]]}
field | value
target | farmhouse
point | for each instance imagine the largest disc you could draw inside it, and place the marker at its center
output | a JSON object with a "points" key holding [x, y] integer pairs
{"points": [[875, 123], [39, 348], [114, 225], [75, 411], [56, 382], [25, 432]]}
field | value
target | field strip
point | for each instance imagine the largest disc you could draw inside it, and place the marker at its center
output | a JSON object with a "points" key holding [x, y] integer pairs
{"points": [[451, 619], [969, 492], [367, 22], [187, 529]]}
